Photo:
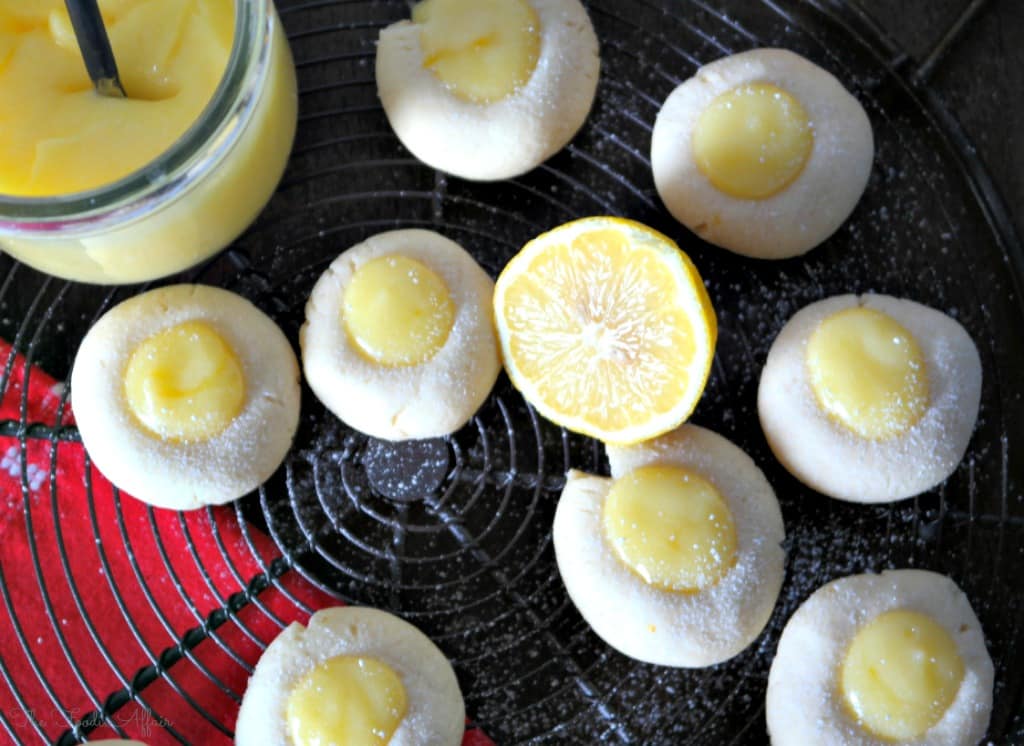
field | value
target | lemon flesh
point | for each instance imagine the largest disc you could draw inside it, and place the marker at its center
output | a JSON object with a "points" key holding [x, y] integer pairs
{"points": [[606, 329]]}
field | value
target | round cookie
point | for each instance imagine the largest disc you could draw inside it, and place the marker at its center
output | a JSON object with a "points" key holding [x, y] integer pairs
{"points": [[838, 462], [177, 471], [431, 398], [647, 622], [807, 209], [805, 703], [434, 713], [499, 139]]}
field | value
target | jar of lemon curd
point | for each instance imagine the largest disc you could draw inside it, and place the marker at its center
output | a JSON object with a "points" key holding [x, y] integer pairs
{"points": [[125, 190]]}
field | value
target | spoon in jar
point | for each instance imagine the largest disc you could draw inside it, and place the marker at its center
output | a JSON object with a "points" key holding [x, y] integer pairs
{"points": [[95, 47]]}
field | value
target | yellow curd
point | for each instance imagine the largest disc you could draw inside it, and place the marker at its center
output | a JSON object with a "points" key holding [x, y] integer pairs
{"points": [[348, 700], [753, 141], [900, 674], [63, 137], [176, 171], [185, 383], [397, 311], [868, 373], [671, 527], [482, 50]]}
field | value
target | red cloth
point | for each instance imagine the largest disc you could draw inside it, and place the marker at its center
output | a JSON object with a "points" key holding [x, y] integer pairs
{"points": [[130, 589]]}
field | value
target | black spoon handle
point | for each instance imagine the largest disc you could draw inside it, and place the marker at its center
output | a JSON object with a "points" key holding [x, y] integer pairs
{"points": [[95, 46]]}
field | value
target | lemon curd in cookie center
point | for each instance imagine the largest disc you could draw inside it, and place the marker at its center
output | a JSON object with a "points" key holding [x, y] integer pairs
{"points": [[482, 50], [753, 141], [58, 135], [671, 527], [900, 675], [185, 383], [867, 373], [356, 701], [397, 311]]}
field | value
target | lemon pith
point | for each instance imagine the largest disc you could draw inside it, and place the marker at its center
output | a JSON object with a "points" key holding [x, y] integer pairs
{"points": [[606, 329]]}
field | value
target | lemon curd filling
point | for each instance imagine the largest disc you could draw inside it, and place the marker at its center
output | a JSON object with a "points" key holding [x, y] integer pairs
{"points": [[185, 383], [482, 50], [397, 311], [57, 135], [900, 675], [346, 700], [671, 527], [753, 141], [867, 373]]}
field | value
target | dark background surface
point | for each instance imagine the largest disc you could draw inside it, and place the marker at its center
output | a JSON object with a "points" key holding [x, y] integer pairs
{"points": [[980, 79]]}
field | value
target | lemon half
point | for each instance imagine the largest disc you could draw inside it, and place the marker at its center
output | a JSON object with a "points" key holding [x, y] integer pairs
{"points": [[606, 329]]}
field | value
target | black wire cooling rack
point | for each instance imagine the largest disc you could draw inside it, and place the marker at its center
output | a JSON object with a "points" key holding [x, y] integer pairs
{"points": [[454, 534]]}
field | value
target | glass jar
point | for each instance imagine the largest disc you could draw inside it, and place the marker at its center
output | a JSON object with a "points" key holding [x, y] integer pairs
{"points": [[191, 201]]}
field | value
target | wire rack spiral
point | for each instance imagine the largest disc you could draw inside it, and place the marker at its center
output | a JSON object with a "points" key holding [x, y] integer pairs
{"points": [[454, 534]]}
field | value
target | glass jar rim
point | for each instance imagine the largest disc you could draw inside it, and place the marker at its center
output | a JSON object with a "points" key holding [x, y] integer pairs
{"points": [[175, 170]]}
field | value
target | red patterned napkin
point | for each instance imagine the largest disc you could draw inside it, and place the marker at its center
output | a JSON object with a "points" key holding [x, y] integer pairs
{"points": [[96, 603]]}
